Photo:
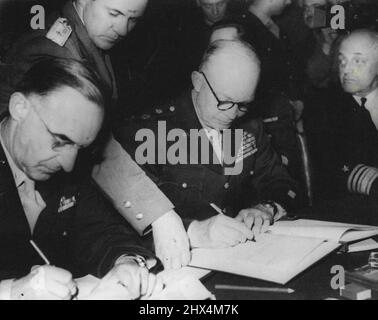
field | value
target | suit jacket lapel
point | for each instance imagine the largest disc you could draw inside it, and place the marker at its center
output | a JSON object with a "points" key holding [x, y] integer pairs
{"points": [[10, 204]]}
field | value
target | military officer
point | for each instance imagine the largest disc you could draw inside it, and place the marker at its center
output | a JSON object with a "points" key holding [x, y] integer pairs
{"points": [[353, 160], [85, 30], [253, 189], [56, 110]]}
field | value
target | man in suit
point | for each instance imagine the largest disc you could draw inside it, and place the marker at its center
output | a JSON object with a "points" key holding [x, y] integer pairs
{"points": [[56, 110], [252, 188], [86, 30], [353, 118]]}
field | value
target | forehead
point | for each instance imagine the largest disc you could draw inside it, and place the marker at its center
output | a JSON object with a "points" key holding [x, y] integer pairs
{"points": [[314, 2], [359, 45], [125, 6], [69, 112], [207, 2], [233, 75]]}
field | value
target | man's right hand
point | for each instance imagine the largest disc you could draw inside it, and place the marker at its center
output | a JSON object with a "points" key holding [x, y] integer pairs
{"points": [[218, 232], [44, 283]]}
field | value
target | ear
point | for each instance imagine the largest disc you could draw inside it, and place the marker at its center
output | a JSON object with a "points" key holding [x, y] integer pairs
{"points": [[19, 106], [197, 81]]}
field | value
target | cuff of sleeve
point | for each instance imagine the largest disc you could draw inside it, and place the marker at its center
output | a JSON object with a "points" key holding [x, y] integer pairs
{"points": [[6, 289], [115, 253], [362, 179], [130, 190]]}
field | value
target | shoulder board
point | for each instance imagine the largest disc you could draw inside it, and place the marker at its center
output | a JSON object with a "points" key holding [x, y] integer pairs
{"points": [[59, 32]]}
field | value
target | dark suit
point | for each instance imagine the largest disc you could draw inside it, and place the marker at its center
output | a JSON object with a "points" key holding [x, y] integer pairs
{"points": [[86, 238], [117, 175], [191, 187], [352, 139]]}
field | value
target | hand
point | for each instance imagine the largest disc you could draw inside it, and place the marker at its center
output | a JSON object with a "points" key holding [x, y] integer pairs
{"points": [[44, 283], [218, 232], [138, 281], [258, 219], [171, 241]]}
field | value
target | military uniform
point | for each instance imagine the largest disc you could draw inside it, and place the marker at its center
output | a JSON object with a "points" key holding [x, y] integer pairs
{"points": [[77, 230], [351, 147], [131, 192], [191, 187]]}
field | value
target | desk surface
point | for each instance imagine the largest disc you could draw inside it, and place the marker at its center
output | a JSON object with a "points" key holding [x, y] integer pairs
{"points": [[315, 282]]}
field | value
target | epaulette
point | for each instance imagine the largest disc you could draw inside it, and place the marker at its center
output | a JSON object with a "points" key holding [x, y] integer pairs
{"points": [[59, 32]]}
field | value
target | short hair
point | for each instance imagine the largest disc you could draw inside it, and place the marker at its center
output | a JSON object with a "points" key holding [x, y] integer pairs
{"points": [[50, 74], [220, 46]]}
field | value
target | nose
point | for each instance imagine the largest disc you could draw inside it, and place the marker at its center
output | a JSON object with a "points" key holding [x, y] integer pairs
{"points": [[67, 159], [215, 10], [121, 27]]}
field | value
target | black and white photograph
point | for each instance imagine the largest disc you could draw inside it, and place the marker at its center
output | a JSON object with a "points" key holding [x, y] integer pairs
{"points": [[188, 155]]}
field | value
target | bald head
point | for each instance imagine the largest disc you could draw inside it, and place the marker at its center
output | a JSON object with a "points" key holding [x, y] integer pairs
{"points": [[229, 72], [358, 62]]}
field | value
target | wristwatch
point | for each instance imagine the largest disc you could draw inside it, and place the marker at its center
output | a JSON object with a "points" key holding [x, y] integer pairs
{"points": [[139, 260], [270, 205]]}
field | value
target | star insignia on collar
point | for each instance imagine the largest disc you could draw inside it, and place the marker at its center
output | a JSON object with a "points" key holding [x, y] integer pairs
{"points": [[345, 169]]}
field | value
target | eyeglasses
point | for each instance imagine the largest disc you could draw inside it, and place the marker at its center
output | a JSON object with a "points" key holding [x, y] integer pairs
{"points": [[60, 141], [226, 105]]}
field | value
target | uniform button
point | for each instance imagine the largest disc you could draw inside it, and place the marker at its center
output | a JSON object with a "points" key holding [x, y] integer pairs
{"points": [[139, 216], [226, 185], [158, 111], [2, 162], [172, 109], [127, 204], [269, 49], [64, 234], [184, 185], [251, 173]]}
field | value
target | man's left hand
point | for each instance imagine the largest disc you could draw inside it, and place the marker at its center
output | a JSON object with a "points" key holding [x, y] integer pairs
{"points": [[171, 241]]}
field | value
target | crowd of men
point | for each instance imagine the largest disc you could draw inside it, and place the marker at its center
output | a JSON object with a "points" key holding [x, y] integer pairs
{"points": [[254, 78]]}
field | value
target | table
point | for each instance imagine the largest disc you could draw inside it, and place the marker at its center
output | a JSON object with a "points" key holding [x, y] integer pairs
{"points": [[315, 282]]}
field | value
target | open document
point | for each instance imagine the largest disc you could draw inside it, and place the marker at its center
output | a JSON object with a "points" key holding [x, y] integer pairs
{"points": [[287, 249]]}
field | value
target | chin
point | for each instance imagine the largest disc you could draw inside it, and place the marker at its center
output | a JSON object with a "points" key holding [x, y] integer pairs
{"points": [[104, 45], [350, 88]]}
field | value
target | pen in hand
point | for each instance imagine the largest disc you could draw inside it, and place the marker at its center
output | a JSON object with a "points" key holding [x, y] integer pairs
{"points": [[219, 210], [39, 251]]}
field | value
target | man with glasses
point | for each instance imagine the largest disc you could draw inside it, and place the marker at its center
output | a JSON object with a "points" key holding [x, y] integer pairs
{"points": [[86, 30], [250, 200], [54, 112]]}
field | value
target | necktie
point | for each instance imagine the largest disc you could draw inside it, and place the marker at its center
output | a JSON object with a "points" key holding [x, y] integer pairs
{"points": [[32, 202], [363, 103]]}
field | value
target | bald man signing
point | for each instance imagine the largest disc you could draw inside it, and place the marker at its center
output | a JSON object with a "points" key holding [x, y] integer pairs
{"points": [[253, 195]]}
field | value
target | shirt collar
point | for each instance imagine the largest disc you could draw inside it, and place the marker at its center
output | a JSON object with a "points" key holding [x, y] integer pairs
{"points": [[18, 175], [371, 100]]}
